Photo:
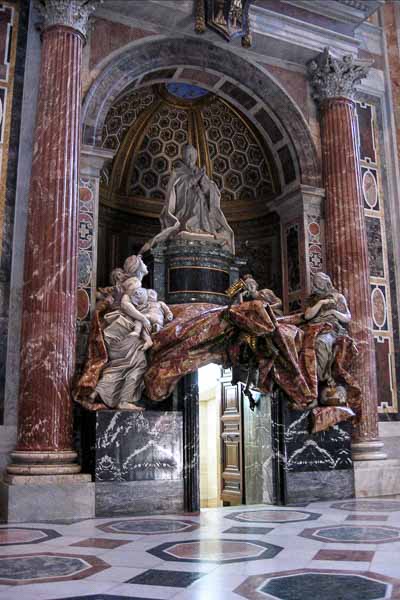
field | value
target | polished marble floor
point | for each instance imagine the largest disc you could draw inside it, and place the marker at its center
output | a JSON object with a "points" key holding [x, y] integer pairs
{"points": [[346, 550]]}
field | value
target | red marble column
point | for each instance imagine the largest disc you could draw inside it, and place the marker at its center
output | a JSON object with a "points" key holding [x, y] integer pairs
{"points": [[50, 280], [346, 240]]}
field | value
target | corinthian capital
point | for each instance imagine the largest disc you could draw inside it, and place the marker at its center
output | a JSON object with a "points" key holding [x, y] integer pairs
{"points": [[332, 78], [69, 13]]}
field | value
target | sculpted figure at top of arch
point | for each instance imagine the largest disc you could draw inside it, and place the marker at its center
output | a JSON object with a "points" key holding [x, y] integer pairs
{"points": [[192, 206]]}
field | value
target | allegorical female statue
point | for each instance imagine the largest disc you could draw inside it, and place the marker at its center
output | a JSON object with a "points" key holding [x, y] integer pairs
{"points": [[327, 305], [192, 206]]}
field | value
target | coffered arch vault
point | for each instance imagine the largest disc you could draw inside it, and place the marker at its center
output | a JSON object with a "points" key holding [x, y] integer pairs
{"points": [[219, 70], [148, 128]]}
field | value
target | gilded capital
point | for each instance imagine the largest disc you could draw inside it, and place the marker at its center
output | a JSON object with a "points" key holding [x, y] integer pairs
{"points": [[334, 77], [68, 13]]}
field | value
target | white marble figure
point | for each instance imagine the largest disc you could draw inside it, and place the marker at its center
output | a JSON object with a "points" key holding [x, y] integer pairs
{"points": [[121, 382], [154, 312], [327, 305], [192, 206], [142, 326], [157, 312], [112, 294]]}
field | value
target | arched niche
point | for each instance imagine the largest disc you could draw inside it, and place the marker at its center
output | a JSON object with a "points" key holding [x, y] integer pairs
{"points": [[247, 88]]}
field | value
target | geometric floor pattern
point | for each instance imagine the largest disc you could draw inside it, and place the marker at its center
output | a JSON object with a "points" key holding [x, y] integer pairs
{"points": [[354, 534], [149, 526], [215, 551], [22, 535], [273, 516], [268, 553]]}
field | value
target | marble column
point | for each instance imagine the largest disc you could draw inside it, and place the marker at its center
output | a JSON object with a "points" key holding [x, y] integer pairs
{"points": [[333, 82], [44, 444]]}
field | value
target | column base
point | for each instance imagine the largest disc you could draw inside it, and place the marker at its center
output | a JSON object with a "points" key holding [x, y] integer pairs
{"points": [[43, 463], [368, 450], [46, 498], [376, 478]]}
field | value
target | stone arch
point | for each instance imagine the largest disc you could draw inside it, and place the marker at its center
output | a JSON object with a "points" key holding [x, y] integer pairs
{"points": [[160, 59]]}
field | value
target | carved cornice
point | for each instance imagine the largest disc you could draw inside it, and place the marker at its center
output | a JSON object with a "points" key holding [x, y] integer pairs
{"points": [[67, 13], [332, 77]]}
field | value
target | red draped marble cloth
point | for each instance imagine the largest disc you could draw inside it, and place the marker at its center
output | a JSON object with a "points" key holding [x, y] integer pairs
{"points": [[50, 279], [346, 241]]}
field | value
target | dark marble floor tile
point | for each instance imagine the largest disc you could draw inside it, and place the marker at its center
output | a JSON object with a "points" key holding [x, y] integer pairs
{"points": [[25, 535], [325, 586], [215, 550], [367, 518], [104, 597], [181, 579], [355, 534], [249, 530], [272, 516], [345, 555], [47, 567], [100, 543], [368, 505], [318, 584], [149, 526]]}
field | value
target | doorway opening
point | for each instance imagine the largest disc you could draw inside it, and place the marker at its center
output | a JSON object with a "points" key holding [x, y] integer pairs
{"points": [[222, 436], [210, 436], [237, 464]]}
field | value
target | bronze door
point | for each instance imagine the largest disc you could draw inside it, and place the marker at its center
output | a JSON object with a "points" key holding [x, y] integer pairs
{"points": [[232, 481]]}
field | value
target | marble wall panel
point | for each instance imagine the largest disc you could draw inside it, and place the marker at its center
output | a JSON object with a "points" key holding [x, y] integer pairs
{"points": [[258, 454], [293, 266], [380, 250], [121, 446], [13, 39], [314, 466], [107, 36], [87, 259]]}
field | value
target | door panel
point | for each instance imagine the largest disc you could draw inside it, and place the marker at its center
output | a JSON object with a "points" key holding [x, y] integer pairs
{"points": [[232, 489]]}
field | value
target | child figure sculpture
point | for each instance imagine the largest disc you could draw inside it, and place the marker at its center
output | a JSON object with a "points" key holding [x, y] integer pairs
{"points": [[151, 311], [157, 312]]}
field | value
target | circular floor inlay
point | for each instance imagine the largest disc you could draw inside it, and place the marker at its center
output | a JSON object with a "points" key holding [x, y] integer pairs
{"points": [[24, 535], [324, 586], [368, 505], [149, 526], [273, 516], [355, 534], [215, 550]]}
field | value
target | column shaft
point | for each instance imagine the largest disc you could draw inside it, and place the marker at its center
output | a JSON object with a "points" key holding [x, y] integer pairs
{"points": [[346, 245], [49, 297]]}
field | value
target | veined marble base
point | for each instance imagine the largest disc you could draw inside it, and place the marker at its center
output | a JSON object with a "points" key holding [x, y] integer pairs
{"points": [[377, 478], [139, 497], [46, 501], [312, 486], [135, 460]]}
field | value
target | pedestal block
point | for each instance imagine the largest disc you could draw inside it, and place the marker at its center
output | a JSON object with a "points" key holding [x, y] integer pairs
{"points": [[30, 498], [136, 461], [313, 466], [377, 478], [191, 270]]}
